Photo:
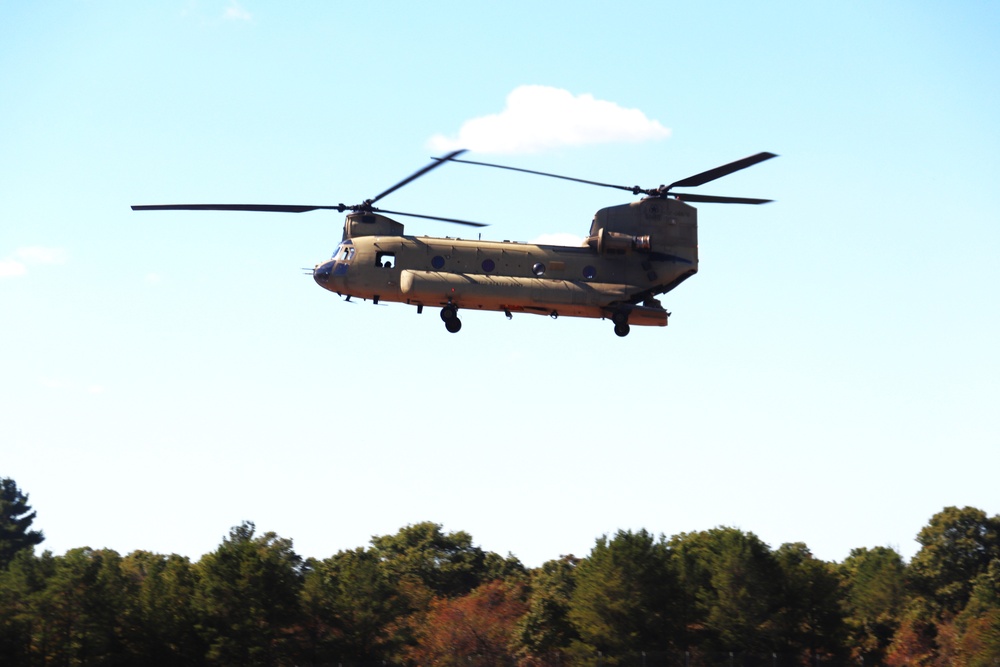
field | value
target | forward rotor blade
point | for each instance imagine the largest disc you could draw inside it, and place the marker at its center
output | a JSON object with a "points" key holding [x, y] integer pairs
{"points": [[633, 190], [412, 177], [282, 208], [432, 217], [711, 199], [719, 172], [269, 208]]}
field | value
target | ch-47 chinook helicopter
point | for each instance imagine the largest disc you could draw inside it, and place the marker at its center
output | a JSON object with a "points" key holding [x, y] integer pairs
{"points": [[633, 253]]}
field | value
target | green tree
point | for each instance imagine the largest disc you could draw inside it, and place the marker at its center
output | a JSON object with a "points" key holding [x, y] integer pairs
{"points": [[349, 604], [545, 631], [732, 590], [978, 626], [623, 599], [810, 621], [77, 616], [16, 518], [874, 583], [160, 616], [448, 564], [24, 577], [248, 598], [972, 638], [956, 547]]}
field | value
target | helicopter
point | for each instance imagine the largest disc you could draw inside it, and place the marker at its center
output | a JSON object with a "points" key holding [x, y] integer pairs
{"points": [[633, 253]]}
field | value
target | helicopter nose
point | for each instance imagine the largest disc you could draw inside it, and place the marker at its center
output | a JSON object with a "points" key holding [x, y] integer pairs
{"points": [[322, 273]]}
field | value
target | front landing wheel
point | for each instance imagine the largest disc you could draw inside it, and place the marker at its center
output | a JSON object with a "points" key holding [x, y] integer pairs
{"points": [[622, 329], [453, 325]]}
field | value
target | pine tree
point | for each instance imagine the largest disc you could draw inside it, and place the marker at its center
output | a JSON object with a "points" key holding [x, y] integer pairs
{"points": [[16, 518]]}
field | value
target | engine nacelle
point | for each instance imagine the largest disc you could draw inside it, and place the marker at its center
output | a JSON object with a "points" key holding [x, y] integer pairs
{"points": [[663, 225], [616, 243], [370, 224]]}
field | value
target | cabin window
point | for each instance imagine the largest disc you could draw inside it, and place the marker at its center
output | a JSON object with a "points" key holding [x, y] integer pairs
{"points": [[489, 265], [438, 262], [538, 269], [385, 260], [589, 272]]}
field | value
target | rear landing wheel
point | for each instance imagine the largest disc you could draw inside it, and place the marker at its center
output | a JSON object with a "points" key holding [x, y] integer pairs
{"points": [[622, 329], [448, 313], [453, 325]]}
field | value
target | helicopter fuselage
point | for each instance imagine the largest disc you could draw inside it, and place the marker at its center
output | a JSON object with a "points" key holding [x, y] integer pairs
{"points": [[633, 252]]}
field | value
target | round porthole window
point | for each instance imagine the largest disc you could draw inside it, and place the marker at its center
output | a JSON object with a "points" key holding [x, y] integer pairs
{"points": [[489, 265], [538, 269], [589, 272], [437, 262]]}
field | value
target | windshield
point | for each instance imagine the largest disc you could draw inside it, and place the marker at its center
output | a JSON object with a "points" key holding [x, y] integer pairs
{"points": [[343, 253]]}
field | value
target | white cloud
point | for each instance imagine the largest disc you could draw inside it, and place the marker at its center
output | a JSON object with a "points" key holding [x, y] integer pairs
{"points": [[10, 268], [62, 384], [209, 16], [41, 255], [18, 266], [53, 383], [541, 117], [235, 12]]}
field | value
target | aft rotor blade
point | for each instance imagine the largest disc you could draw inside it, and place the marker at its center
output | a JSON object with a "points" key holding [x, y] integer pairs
{"points": [[719, 172], [432, 217], [711, 199], [412, 177], [632, 189], [269, 208]]}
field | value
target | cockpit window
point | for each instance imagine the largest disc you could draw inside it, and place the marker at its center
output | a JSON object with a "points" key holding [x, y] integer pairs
{"points": [[344, 253]]}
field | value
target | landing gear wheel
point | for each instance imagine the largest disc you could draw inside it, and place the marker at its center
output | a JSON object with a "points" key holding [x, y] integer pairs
{"points": [[448, 313], [622, 329], [453, 325], [620, 317]]}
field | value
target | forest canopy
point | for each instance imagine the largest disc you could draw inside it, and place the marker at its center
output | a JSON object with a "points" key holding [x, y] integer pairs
{"points": [[423, 596]]}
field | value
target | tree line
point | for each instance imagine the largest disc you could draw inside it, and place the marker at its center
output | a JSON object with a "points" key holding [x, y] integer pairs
{"points": [[424, 596]]}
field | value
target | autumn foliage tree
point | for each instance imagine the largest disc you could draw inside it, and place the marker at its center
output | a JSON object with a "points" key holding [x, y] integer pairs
{"points": [[479, 626]]}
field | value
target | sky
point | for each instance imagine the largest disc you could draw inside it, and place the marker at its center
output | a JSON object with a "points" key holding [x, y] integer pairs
{"points": [[828, 377]]}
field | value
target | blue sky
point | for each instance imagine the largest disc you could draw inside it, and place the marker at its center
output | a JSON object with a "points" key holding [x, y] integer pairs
{"points": [[829, 376]]}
